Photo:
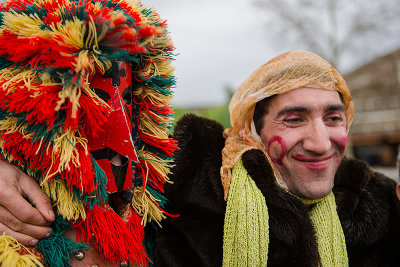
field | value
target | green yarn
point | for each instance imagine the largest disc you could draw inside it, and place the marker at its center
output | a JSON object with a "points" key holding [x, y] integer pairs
{"points": [[57, 248], [246, 232], [330, 237]]}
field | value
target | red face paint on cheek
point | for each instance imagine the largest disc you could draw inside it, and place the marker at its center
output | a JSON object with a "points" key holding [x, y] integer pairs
{"points": [[278, 146], [342, 143]]}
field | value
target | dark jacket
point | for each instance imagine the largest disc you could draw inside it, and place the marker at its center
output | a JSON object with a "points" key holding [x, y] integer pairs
{"points": [[366, 202]]}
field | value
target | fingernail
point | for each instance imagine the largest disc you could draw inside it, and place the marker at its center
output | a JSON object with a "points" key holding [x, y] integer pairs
{"points": [[48, 234], [33, 242], [51, 214]]}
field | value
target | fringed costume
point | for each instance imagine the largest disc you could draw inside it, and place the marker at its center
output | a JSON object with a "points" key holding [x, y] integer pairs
{"points": [[81, 82]]}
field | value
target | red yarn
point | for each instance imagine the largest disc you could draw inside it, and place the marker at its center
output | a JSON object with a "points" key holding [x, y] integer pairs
{"points": [[166, 145], [26, 152], [114, 238], [152, 174]]}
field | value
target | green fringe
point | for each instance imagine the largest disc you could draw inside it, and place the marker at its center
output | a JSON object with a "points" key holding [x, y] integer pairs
{"points": [[38, 129], [58, 248], [4, 63], [101, 180]]}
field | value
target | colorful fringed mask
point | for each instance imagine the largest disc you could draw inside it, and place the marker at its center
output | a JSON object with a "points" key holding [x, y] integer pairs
{"points": [[84, 84]]}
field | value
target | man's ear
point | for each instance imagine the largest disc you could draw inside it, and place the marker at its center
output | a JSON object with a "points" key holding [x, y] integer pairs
{"points": [[398, 191]]}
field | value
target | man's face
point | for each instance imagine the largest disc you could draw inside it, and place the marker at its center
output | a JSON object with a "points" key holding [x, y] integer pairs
{"points": [[304, 133]]}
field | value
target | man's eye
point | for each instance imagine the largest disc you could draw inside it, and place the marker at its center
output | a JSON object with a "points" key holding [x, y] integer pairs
{"points": [[335, 119], [293, 121]]}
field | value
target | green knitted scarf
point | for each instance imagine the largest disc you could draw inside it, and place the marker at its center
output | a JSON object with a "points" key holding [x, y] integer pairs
{"points": [[246, 231]]}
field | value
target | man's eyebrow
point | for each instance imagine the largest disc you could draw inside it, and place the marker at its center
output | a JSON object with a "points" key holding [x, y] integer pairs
{"points": [[337, 107], [301, 109], [294, 109]]}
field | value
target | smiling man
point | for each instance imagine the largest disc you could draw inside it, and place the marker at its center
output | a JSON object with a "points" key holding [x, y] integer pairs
{"points": [[280, 193], [305, 137]]}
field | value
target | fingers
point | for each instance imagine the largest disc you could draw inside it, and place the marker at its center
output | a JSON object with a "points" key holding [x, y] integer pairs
{"points": [[14, 186], [20, 230], [12, 200], [31, 190], [20, 237]]}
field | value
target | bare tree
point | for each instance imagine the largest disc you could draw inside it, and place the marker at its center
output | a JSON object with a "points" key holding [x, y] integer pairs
{"points": [[334, 28]]}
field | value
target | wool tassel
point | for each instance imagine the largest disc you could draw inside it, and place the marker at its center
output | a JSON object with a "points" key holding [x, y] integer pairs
{"points": [[115, 239], [68, 206], [13, 253], [145, 207], [58, 247]]}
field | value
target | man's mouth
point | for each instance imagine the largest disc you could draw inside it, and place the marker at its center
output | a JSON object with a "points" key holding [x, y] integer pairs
{"points": [[314, 163]]}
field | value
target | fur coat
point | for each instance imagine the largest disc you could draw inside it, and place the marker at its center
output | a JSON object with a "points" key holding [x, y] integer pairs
{"points": [[366, 203]]}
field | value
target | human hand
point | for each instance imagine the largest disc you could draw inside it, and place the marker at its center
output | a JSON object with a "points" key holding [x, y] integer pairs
{"points": [[18, 218]]}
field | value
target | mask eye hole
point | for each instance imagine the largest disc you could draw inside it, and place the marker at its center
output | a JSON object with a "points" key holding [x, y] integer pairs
{"points": [[127, 95], [102, 94], [127, 98]]}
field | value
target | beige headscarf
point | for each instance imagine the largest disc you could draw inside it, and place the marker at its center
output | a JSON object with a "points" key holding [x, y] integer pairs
{"points": [[292, 70]]}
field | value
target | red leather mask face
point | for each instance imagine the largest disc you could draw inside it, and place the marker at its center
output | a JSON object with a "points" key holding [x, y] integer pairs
{"points": [[117, 140]]}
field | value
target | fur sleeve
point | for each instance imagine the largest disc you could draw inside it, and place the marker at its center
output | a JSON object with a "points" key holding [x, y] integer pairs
{"points": [[370, 214], [195, 237]]}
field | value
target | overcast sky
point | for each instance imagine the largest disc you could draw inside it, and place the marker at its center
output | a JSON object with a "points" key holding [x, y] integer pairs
{"points": [[219, 43]]}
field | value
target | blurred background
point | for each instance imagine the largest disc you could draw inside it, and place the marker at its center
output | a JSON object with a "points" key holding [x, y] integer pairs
{"points": [[220, 42]]}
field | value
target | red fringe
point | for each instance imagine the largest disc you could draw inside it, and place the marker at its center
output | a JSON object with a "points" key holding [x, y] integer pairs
{"points": [[147, 32], [39, 109], [94, 115], [42, 109], [153, 175], [37, 51], [129, 9], [115, 239], [79, 176], [166, 145]]}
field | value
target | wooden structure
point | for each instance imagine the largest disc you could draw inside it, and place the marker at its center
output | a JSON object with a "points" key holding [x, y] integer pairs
{"points": [[375, 132]]}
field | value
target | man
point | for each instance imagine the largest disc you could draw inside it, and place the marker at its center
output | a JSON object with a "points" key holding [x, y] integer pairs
{"points": [[275, 189], [85, 90]]}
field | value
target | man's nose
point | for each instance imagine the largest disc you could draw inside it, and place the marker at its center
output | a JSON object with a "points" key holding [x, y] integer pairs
{"points": [[317, 138]]}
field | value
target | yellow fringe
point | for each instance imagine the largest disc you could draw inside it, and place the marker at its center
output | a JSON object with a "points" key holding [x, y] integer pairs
{"points": [[10, 256], [147, 125], [162, 166], [9, 125], [11, 77], [68, 207], [145, 208], [24, 25], [65, 143], [154, 96], [73, 93], [72, 32]]}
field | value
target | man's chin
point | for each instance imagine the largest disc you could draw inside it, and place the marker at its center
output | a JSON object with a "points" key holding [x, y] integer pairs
{"points": [[316, 191]]}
